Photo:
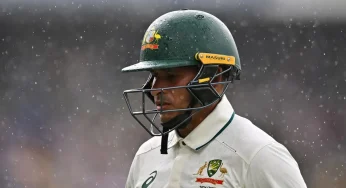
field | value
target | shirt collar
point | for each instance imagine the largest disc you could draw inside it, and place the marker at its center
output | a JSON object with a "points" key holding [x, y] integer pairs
{"points": [[209, 128], [173, 138]]}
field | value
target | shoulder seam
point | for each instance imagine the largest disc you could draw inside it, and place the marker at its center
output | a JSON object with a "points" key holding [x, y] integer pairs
{"points": [[147, 151], [152, 148], [226, 145]]}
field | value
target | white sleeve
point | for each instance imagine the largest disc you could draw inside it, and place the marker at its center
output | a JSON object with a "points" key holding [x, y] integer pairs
{"points": [[130, 182], [273, 166]]}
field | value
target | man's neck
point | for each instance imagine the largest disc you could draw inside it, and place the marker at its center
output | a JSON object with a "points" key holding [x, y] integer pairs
{"points": [[196, 120]]}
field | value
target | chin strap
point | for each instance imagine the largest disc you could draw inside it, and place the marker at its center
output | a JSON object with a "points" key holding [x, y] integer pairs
{"points": [[164, 141]]}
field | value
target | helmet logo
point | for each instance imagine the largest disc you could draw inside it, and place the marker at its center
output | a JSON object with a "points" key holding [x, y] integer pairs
{"points": [[151, 39]]}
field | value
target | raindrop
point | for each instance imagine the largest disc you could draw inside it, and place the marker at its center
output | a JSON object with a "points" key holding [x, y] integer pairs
{"points": [[339, 146]]}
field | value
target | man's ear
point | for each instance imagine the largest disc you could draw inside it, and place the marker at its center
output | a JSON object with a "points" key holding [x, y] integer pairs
{"points": [[218, 87], [218, 78]]}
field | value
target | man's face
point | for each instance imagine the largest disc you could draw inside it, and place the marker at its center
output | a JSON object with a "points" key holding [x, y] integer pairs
{"points": [[173, 98]]}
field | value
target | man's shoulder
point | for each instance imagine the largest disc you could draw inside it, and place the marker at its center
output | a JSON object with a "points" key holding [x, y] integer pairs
{"points": [[245, 138], [149, 145]]}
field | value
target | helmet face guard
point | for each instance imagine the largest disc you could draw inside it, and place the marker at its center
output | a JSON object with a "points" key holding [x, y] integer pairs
{"points": [[201, 89]]}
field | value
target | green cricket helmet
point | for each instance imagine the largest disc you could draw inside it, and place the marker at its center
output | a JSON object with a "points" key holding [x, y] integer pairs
{"points": [[185, 38]]}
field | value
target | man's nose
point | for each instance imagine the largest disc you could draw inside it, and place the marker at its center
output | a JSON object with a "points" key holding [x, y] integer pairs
{"points": [[156, 85]]}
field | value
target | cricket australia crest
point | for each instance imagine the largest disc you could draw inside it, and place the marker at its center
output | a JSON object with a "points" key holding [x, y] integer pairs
{"points": [[212, 167]]}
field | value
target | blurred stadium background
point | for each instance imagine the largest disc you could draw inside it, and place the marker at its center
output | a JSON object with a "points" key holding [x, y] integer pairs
{"points": [[63, 120]]}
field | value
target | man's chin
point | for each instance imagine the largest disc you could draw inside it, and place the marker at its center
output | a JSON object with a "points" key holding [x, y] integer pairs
{"points": [[166, 118]]}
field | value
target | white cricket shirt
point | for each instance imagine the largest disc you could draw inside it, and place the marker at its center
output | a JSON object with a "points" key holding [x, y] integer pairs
{"points": [[225, 150]]}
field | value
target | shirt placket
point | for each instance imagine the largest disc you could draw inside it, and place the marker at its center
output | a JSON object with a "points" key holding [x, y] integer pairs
{"points": [[178, 166]]}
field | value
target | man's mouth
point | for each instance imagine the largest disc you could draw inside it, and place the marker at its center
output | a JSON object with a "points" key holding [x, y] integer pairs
{"points": [[164, 105]]}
